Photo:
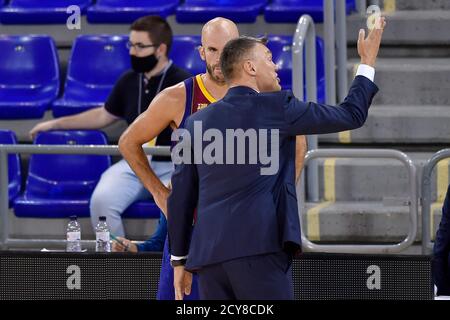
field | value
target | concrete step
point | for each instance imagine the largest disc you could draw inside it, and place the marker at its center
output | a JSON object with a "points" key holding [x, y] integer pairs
{"points": [[382, 180], [363, 179], [359, 222], [408, 27], [399, 124], [410, 81], [422, 5], [405, 51]]}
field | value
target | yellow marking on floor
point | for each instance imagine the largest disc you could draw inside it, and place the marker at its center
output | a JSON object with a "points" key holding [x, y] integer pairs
{"points": [[329, 179], [389, 6], [313, 214], [345, 137], [313, 220]]}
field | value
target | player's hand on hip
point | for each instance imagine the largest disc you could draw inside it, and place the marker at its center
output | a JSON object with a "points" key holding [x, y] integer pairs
{"points": [[161, 200], [368, 47]]}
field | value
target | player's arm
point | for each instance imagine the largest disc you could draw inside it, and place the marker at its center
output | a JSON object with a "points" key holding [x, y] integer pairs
{"points": [[162, 112]]}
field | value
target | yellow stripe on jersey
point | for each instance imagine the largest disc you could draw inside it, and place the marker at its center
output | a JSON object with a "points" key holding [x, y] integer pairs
{"points": [[202, 87]]}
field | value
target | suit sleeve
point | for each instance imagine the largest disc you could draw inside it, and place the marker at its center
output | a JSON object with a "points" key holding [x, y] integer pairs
{"points": [[181, 203], [313, 118], [441, 251]]}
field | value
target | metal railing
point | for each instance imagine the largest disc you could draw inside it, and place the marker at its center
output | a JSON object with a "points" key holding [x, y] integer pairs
{"points": [[305, 40], [5, 240], [341, 50], [372, 154], [427, 245], [334, 38], [361, 7], [330, 52]]}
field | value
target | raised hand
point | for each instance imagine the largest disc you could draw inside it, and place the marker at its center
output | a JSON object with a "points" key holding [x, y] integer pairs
{"points": [[368, 48]]}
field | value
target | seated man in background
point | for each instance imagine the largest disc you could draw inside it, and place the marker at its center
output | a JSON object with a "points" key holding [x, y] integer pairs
{"points": [[152, 72], [441, 251]]}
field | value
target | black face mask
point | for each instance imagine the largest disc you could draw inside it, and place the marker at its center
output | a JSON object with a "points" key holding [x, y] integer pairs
{"points": [[143, 64]]}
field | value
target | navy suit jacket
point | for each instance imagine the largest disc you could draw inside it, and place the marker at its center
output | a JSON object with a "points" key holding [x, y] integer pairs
{"points": [[441, 251], [239, 211]]}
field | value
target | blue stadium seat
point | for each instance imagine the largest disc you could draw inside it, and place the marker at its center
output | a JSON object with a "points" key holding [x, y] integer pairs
{"points": [[14, 174], [184, 53], [282, 57], [126, 11], [96, 63], [200, 11], [39, 11], [285, 11], [29, 76], [142, 210], [61, 185]]}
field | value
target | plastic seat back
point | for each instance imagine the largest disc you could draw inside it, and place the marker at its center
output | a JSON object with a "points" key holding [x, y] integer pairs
{"points": [[96, 62], [29, 75], [184, 53], [58, 176]]}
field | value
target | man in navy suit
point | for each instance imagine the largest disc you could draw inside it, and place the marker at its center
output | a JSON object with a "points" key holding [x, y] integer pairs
{"points": [[247, 227], [441, 251]]}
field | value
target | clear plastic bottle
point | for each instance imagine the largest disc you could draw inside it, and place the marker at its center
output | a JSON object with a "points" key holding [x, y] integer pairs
{"points": [[102, 235], [73, 235]]}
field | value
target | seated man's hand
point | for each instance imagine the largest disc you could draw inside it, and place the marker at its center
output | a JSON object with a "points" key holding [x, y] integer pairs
{"points": [[42, 126], [126, 245]]}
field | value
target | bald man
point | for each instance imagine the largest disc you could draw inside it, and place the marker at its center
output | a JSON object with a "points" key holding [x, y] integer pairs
{"points": [[171, 107]]}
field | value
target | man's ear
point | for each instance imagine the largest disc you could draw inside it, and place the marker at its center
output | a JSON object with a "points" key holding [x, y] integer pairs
{"points": [[201, 51], [162, 50], [250, 68]]}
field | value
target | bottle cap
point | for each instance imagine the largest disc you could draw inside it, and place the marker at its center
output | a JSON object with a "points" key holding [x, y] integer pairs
{"points": [[102, 218], [73, 218]]}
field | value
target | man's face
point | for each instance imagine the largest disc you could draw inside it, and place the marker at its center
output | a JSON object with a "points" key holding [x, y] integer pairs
{"points": [[210, 52], [139, 40], [265, 70]]}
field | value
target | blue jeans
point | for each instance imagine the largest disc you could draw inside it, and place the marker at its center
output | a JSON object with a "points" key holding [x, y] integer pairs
{"points": [[118, 188]]}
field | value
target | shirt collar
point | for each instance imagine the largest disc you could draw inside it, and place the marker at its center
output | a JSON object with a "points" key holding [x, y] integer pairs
{"points": [[240, 90]]}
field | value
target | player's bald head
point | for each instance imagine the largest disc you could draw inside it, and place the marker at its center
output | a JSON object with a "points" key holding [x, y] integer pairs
{"points": [[220, 28], [215, 35]]}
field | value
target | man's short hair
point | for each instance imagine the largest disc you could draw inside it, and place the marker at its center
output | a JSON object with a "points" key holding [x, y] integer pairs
{"points": [[157, 28], [235, 51]]}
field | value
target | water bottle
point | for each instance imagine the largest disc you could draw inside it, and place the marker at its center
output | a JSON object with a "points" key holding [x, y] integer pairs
{"points": [[102, 236], [73, 235]]}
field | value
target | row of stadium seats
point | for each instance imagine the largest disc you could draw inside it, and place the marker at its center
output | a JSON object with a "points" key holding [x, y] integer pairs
{"points": [[187, 11], [59, 186], [29, 71]]}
